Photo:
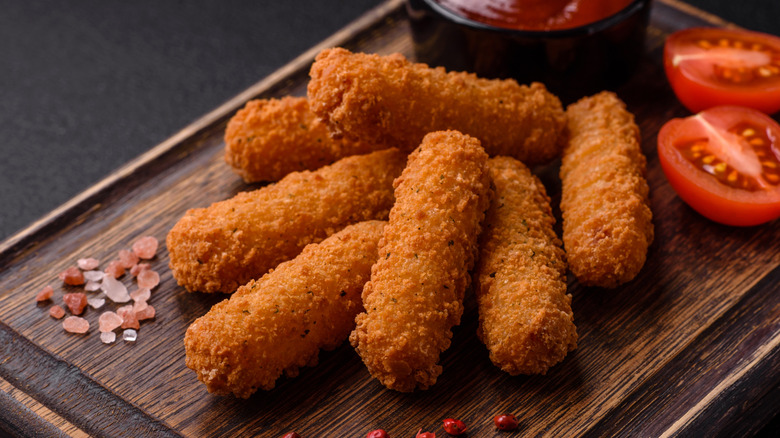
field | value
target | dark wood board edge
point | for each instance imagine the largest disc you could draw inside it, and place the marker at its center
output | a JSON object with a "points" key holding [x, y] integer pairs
{"points": [[102, 412], [18, 420], [677, 385]]}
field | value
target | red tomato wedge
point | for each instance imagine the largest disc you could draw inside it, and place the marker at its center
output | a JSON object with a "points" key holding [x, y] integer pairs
{"points": [[709, 67], [725, 163]]}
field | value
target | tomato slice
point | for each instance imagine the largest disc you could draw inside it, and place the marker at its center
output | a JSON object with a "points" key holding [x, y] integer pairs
{"points": [[709, 67], [725, 163]]}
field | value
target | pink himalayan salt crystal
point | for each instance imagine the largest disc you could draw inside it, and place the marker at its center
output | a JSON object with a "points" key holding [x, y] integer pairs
{"points": [[92, 286], [56, 312], [45, 294], [74, 324], [108, 337], [76, 302], [135, 270], [129, 320], [93, 276], [139, 306], [148, 279], [145, 247], [72, 276], [88, 264], [109, 321], [141, 295], [127, 259], [115, 290], [96, 303], [147, 313], [115, 269]]}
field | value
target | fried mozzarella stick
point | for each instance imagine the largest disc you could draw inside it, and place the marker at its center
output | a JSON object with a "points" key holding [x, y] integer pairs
{"points": [[218, 248], [607, 222], [269, 138], [391, 101], [280, 322], [525, 316], [415, 295]]}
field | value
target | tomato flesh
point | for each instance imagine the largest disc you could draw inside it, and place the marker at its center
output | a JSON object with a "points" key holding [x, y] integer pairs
{"points": [[725, 163], [709, 67]]}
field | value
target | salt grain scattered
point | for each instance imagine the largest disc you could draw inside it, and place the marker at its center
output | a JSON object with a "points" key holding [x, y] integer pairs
{"points": [[128, 259], [145, 247], [72, 276], [141, 295], [136, 269], [45, 294], [76, 302], [115, 290], [115, 269], [93, 275], [129, 320], [147, 313], [109, 321], [92, 286], [96, 303], [74, 324], [148, 279], [56, 312], [139, 306], [108, 337], [130, 335], [88, 264]]}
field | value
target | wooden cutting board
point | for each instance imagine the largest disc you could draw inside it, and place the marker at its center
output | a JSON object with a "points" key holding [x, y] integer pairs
{"points": [[690, 347]]}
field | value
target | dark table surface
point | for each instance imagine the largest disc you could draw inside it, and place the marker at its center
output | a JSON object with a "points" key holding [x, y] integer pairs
{"points": [[86, 86]]}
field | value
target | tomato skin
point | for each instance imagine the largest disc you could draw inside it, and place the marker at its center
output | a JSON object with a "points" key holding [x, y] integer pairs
{"points": [[707, 196], [698, 93]]}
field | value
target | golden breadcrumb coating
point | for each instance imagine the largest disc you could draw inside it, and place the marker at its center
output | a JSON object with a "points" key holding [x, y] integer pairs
{"points": [[607, 222], [389, 100], [525, 316], [269, 138], [218, 248], [280, 322], [415, 295]]}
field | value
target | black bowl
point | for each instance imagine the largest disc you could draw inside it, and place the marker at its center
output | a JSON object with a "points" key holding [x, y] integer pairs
{"points": [[571, 62]]}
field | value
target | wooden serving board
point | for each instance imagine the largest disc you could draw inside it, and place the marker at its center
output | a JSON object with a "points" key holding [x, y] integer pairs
{"points": [[690, 347]]}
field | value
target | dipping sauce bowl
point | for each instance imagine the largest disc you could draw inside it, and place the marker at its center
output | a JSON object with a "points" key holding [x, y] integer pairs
{"points": [[571, 62]]}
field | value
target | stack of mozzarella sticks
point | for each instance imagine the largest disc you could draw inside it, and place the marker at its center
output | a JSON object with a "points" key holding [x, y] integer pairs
{"points": [[428, 192]]}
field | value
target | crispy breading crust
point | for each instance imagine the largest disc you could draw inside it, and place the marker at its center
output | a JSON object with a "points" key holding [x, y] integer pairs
{"points": [[218, 248], [269, 138], [607, 222], [280, 322], [415, 295], [525, 316], [389, 100]]}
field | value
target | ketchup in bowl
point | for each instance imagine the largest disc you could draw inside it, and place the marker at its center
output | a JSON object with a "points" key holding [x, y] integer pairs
{"points": [[535, 14]]}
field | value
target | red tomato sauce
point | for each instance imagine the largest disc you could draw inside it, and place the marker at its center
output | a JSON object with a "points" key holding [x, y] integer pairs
{"points": [[535, 14]]}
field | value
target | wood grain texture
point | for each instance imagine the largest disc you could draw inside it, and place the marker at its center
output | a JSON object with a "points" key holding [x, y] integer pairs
{"points": [[690, 347]]}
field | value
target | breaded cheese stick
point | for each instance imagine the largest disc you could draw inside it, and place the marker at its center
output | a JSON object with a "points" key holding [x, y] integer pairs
{"points": [[269, 138], [415, 295], [525, 316], [280, 322], [218, 248], [389, 100], [607, 222]]}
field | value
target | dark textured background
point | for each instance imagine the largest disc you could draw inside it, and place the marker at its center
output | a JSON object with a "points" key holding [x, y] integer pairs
{"points": [[87, 85]]}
